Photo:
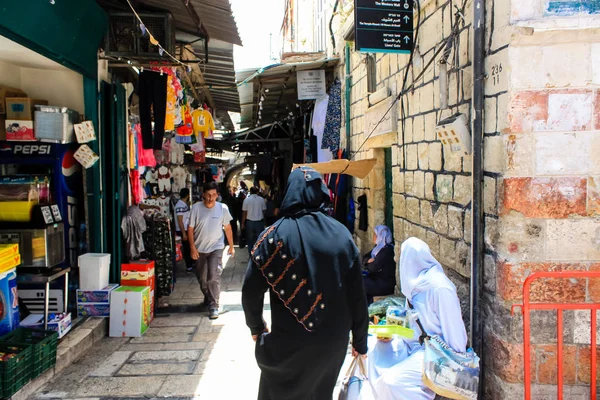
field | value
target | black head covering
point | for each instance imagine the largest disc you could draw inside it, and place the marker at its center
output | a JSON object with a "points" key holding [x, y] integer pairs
{"points": [[301, 255]]}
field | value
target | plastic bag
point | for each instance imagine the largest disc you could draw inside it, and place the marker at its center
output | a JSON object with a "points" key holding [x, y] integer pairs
{"points": [[353, 381], [449, 373], [380, 307]]}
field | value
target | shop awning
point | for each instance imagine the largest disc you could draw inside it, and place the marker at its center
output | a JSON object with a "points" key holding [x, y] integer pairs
{"points": [[277, 86], [358, 169], [66, 31]]}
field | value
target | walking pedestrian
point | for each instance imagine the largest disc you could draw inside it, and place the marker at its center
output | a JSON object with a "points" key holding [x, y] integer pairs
{"points": [[208, 221], [253, 217], [182, 219], [312, 267]]}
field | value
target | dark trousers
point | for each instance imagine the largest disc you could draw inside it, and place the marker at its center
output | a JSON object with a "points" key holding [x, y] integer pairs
{"points": [[209, 268], [376, 288], [153, 95], [253, 231]]}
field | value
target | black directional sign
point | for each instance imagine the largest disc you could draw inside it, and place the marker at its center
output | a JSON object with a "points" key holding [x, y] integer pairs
{"points": [[384, 26]]}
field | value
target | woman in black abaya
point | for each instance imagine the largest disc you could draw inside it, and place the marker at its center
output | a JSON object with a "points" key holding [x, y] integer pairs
{"points": [[312, 268]]}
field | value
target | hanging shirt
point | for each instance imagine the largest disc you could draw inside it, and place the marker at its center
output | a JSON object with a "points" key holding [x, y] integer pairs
{"points": [[164, 179], [177, 152], [203, 123], [179, 176], [171, 104], [318, 125]]}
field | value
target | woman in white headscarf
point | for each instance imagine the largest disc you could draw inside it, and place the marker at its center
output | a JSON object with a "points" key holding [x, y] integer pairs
{"points": [[395, 366], [379, 267]]}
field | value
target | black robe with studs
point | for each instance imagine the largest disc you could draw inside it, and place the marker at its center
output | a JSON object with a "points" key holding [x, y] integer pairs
{"points": [[312, 269]]}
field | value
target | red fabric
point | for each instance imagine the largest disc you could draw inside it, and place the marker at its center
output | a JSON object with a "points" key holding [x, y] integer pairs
{"points": [[200, 157], [137, 190], [145, 156]]}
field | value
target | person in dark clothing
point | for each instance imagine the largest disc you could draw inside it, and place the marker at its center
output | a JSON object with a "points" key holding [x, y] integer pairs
{"points": [[311, 266], [379, 265]]}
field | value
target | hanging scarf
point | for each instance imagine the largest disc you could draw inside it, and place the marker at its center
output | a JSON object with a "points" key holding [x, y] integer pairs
{"points": [[302, 254]]}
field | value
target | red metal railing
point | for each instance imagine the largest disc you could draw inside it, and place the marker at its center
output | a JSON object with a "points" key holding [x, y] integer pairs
{"points": [[527, 306]]}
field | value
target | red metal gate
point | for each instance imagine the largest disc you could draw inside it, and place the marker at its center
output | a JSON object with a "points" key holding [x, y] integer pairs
{"points": [[528, 306]]}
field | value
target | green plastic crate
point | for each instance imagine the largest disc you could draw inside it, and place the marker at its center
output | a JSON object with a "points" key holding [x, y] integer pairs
{"points": [[15, 372], [43, 343]]}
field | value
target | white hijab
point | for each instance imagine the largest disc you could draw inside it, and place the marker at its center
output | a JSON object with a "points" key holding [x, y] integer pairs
{"points": [[419, 270]]}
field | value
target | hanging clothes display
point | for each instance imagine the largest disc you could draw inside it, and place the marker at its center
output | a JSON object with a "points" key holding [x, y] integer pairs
{"points": [[363, 218], [133, 227], [164, 179], [159, 245], [145, 156], [137, 191], [177, 152], [153, 102], [171, 105], [203, 123], [333, 120], [318, 125], [179, 176]]}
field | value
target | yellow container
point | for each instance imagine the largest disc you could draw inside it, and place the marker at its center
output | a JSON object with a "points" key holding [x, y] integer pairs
{"points": [[387, 331], [16, 211], [6, 264], [8, 250]]}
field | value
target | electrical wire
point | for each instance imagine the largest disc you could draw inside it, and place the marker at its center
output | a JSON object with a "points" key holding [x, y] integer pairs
{"points": [[459, 15]]}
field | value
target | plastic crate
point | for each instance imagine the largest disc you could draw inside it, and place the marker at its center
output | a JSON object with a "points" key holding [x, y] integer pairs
{"points": [[15, 372], [43, 346]]}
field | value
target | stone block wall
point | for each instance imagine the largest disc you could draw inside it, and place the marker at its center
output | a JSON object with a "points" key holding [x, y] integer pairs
{"points": [[541, 173]]}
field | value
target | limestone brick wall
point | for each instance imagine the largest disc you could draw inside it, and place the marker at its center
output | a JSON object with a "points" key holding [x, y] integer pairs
{"points": [[546, 153]]}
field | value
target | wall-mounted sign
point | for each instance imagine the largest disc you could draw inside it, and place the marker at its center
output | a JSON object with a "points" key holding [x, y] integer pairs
{"points": [[311, 84], [382, 118], [384, 26]]}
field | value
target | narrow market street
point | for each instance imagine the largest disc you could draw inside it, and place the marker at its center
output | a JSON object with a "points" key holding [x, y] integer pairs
{"points": [[182, 355]]}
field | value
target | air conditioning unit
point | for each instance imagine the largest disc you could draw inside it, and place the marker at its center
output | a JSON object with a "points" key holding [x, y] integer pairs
{"points": [[125, 38]]}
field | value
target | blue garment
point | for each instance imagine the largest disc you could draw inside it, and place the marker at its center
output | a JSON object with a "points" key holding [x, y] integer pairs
{"points": [[333, 120]]}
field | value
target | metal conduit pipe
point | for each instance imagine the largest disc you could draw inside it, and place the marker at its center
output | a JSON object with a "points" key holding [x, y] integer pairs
{"points": [[477, 227]]}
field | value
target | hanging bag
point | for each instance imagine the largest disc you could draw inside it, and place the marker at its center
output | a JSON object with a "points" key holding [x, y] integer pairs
{"points": [[353, 381], [448, 373]]}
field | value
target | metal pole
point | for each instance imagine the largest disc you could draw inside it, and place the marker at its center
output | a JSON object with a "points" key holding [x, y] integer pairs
{"points": [[477, 228], [46, 305]]}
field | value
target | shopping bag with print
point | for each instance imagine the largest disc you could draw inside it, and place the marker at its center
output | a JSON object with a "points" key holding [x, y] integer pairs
{"points": [[449, 373], [353, 381]]}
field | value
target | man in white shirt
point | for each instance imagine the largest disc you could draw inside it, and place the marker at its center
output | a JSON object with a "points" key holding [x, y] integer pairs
{"points": [[182, 219], [208, 220], [253, 217]]}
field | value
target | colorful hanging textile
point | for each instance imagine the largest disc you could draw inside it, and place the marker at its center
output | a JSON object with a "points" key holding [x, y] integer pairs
{"points": [[333, 120]]}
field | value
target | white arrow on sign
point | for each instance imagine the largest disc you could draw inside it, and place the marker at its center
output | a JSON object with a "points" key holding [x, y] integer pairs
{"points": [[406, 39], [406, 18]]}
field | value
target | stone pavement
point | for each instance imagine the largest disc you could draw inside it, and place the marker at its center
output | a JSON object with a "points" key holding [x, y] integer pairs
{"points": [[182, 355]]}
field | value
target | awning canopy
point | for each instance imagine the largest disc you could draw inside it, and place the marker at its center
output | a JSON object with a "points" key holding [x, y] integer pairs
{"points": [[68, 32], [359, 169], [276, 85]]}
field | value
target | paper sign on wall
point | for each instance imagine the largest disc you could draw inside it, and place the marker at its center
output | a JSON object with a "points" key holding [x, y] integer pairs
{"points": [[85, 132], [311, 84], [86, 156]]}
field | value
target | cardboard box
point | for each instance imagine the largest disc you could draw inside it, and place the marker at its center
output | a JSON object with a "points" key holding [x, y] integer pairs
{"points": [[10, 262], [19, 130], [5, 92], [62, 325], [96, 296], [129, 311], [22, 108], [8, 250], [93, 310], [140, 273]]}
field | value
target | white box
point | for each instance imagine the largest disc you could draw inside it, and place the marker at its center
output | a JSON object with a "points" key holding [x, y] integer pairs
{"points": [[129, 311], [61, 325], [93, 271]]}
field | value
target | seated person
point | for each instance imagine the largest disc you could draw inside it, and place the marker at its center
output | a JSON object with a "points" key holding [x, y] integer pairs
{"points": [[395, 365], [379, 267]]}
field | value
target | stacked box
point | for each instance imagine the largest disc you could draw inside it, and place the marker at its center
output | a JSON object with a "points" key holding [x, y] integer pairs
{"points": [[140, 273], [61, 323], [129, 311], [95, 303]]}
